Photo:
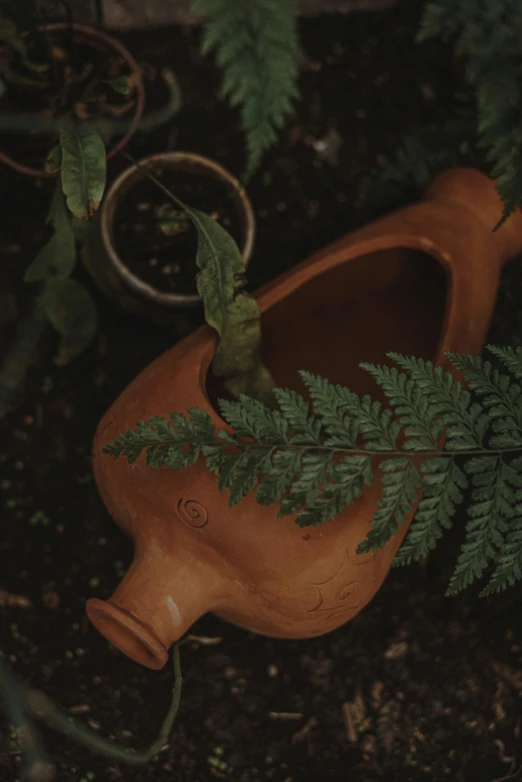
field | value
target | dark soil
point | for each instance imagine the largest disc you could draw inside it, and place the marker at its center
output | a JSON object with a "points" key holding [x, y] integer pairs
{"points": [[417, 687], [168, 262]]}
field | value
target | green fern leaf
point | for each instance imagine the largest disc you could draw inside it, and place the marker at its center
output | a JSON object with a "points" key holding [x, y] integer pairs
{"points": [[442, 485], [502, 399], [509, 565], [337, 407], [466, 422], [256, 47], [491, 50], [401, 481], [412, 408], [492, 502], [511, 357], [305, 426]]}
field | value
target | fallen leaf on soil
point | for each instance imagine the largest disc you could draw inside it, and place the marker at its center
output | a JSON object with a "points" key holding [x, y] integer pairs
{"points": [[513, 677], [285, 715], [351, 733], [303, 733], [7, 600]]}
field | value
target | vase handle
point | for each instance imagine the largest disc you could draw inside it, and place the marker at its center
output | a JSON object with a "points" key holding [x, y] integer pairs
{"points": [[474, 190]]}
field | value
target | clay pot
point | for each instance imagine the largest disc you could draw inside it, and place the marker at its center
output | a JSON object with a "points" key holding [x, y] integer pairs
{"points": [[421, 281], [110, 271], [96, 39]]}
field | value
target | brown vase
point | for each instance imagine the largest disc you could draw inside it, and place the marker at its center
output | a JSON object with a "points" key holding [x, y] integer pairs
{"points": [[421, 281], [99, 41]]}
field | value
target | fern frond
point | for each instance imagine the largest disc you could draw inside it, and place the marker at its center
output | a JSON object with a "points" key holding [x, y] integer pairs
{"points": [[412, 407], [492, 501], [442, 486], [315, 458], [418, 157], [256, 48], [502, 398], [400, 491], [488, 35], [510, 357], [466, 423]]}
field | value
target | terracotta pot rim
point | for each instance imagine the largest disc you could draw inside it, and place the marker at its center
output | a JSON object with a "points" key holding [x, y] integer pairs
{"points": [[113, 43], [136, 173], [128, 634]]}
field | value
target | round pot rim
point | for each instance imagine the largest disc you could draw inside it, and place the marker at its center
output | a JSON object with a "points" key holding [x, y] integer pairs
{"points": [[113, 43], [136, 173]]}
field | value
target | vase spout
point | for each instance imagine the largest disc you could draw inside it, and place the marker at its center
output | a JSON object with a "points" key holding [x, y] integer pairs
{"points": [[154, 605]]}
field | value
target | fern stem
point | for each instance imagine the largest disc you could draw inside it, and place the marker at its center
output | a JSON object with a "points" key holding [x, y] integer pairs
{"points": [[337, 450]]}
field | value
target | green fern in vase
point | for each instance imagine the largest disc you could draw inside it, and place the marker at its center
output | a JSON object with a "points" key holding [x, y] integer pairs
{"points": [[315, 458]]}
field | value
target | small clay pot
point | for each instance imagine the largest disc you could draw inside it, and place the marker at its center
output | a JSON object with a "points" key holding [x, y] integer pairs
{"points": [[420, 282], [97, 39], [110, 270]]}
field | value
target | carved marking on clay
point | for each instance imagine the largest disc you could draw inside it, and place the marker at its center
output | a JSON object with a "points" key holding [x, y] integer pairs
{"points": [[192, 513], [360, 559], [342, 596], [363, 559]]}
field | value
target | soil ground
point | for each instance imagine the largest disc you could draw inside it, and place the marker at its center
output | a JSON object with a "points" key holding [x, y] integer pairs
{"points": [[418, 686]]}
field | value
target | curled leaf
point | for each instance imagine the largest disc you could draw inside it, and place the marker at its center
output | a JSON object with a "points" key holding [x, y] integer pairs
{"points": [[230, 310]]}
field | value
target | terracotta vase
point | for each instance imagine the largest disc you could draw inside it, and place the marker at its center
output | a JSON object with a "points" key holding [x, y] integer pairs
{"points": [[98, 41], [421, 281]]}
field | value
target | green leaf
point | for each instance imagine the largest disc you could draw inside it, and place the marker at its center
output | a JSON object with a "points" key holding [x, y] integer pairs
{"points": [[442, 485], [10, 35], [491, 507], [256, 46], [72, 313], [83, 169], [400, 490], [120, 84], [233, 313], [511, 357], [53, 162], [58, 257]]}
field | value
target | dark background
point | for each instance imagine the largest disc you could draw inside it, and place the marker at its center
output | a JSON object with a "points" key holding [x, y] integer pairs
{"points": [[436, 680]]}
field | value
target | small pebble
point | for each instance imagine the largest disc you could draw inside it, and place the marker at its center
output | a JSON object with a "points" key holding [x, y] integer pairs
{"points": [[51, 600], [272, 671], [396, 651]]}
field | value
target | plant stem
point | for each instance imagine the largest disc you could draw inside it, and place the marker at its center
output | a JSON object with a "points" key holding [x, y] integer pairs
{"points": [[339, 450], [21, 355], [41, 707], [23, 123], [12, 697]]}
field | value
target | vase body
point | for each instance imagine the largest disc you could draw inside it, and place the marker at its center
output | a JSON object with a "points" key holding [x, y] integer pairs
{"points": [[420, 282]]}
